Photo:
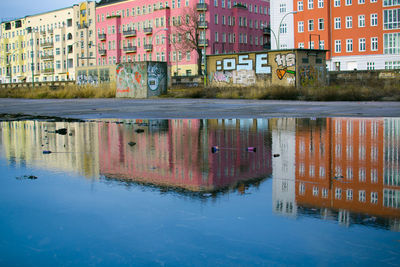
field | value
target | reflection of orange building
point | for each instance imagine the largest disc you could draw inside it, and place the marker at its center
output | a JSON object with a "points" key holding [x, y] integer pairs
{"points": [[178, 153], [340, 165]]}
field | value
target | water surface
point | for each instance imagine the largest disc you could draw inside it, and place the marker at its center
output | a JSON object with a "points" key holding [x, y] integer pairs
{"points": [[154, 192]]}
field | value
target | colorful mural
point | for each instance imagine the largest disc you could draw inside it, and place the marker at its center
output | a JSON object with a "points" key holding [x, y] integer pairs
{"points": [[141, 79]]}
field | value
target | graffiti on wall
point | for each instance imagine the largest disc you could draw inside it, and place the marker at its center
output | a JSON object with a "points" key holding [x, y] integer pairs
{"points": [[285, 61], [310, 75], [156, 76], [87, 79], [131, 79], [222, 76]]}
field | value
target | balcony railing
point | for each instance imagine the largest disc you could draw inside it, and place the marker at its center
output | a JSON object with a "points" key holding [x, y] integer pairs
{"points": [[102, 36], [130, 49], [129, 33], [83, 25], [102, 52], [203, 42], [47, 44], [267, 46], [266, 31], [148, 47], [47, 71], [203, 24], [47, 57], [148, 30], [201, 7]]}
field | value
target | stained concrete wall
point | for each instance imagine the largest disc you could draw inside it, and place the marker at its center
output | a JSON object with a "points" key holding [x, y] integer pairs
{"points": [[295, 67], [141, 79], [378, 78]]}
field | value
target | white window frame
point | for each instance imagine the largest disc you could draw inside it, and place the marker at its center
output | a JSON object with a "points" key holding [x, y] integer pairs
{"points": [[300, 26]]}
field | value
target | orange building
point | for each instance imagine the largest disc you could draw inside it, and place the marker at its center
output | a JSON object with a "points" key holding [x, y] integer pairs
{"points": [[358, 34], [341, 165]]}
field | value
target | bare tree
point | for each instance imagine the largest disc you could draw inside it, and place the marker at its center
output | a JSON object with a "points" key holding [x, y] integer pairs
{"points": [[188, 32]]}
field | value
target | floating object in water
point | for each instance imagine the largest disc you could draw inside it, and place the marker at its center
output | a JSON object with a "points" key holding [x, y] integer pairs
{"points": [[251, 149], [62, 131], [276, 155], [214, 149], [131, 143], [46, 152], [139, 130], [25, 177]]}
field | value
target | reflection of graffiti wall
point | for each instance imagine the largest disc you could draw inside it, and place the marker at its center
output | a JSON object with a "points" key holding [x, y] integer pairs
{"points": [[141, 79], [296, 67]]}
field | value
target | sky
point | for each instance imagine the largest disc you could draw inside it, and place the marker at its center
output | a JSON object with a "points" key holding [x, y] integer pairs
{"points": [[20, 8]]}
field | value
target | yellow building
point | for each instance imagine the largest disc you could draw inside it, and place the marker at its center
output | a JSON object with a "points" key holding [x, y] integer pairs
{"points": [[13, 56], [48, 46]]}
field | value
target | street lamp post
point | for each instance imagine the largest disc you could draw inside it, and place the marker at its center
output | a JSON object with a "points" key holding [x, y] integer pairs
{"points": [[280, 24]]}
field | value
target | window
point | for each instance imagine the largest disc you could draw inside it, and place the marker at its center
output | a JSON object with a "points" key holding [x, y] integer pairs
{"points": [[374, 197], [302, 188], [390, 2], [337, 3], [322, 44], [321, 172], [216, 3], [320, 24], [338, 23], [349, 194], [374, 19], [301, 45], [324, 192], [216, 19], [361, 195], [391, 19], [349, 22], [320, 3], [349, 173], [310, 25], [283, 28], [374, 43], [312, 171], [349, 45], [360, 2], [282, 8], [361, 21], [300, 26], [300, 6], [338, 46], [188, 56], [391, 43], [310, 4], [315, 191], [338, 193], [361, 44], [349, 2], [392, 65]]}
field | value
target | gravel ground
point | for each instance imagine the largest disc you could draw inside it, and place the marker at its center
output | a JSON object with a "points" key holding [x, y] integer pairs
{"points": [[192, 108]]}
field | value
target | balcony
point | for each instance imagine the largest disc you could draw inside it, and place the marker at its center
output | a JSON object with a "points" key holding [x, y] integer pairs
{"points": [[266, 31], [47, 57], [203, 24], [130, 49], [102, 36], [148, 47], [203, 42], [201, 7], [148, 30], [82, 26], [47, 71], [47, 45], [129, 33], [102, 52], [267, 46]]}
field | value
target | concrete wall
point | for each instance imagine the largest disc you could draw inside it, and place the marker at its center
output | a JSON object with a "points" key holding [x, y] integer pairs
{"points": [[366, 77], [141, 79], [297, 67]]}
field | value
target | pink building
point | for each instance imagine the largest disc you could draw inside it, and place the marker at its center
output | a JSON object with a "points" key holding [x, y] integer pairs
{"points": [[142, 30]]}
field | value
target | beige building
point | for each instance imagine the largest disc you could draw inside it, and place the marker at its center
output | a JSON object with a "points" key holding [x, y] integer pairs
{"points": [[48, 46]]}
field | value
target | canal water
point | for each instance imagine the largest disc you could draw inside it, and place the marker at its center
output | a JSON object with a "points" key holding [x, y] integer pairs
{"points": [[197, 192]]}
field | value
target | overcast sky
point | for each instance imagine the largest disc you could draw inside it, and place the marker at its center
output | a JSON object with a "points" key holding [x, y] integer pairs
{"points": [[21, 8]]}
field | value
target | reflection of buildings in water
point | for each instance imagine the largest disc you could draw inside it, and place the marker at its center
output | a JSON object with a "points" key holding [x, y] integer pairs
{"points": [[24, 141], [340, 166], [179, 155], [283, 166]]}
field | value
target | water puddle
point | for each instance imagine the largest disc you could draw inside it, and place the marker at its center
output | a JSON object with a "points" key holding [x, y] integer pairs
{"points": [[201, 185]]}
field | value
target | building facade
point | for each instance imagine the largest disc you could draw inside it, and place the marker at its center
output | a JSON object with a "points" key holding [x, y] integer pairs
{"points": [[359, 34], [48, 46], [129, 31]]}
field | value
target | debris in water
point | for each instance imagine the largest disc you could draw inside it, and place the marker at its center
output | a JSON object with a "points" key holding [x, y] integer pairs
{"points": [[46, 151], [62, 131], [139, 130], [131, 143], [276, 155], [27, 177]]}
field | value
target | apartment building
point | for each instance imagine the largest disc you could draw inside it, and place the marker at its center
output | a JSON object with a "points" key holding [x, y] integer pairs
{"points": [[48, 46], [13, 56], [358, 34], [144, 30]]}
